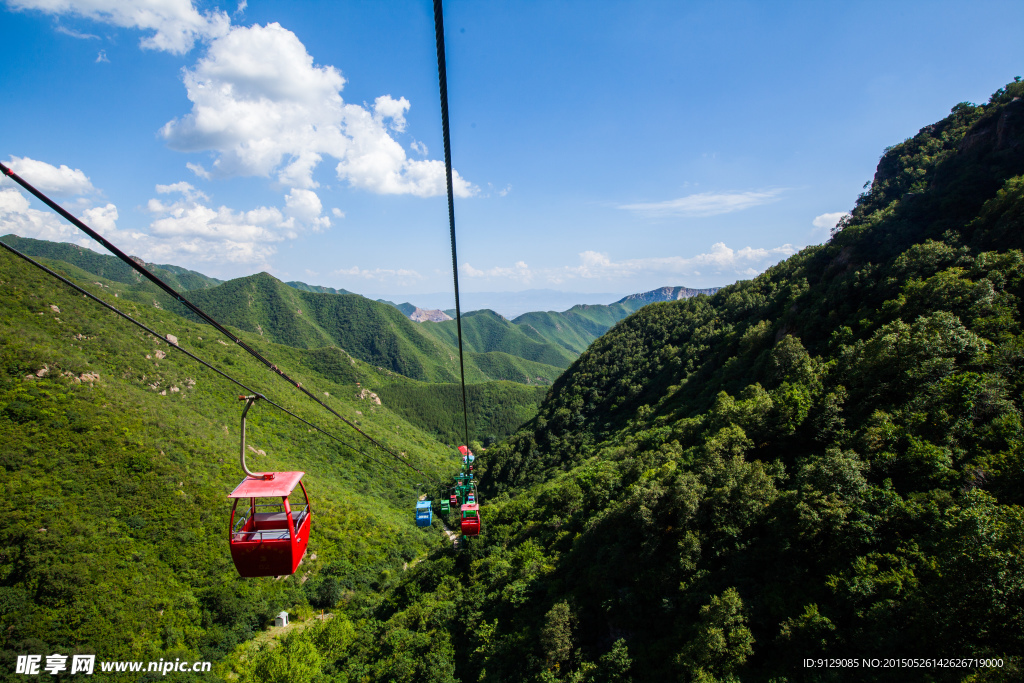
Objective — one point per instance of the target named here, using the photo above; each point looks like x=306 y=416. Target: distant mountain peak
x=316 y=289
x=420 y=315
x=667 y=294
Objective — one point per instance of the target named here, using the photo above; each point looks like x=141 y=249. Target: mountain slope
x=108 y=266
x=486 y=331
x=496 y=409
x=303 y=287
x=825 y=461
x=371 y=331
x=118 y=453
x=667 y=294
x=576 y=328
x=496 y=348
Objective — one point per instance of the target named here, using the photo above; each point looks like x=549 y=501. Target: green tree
x=722 y=641
x=557 y=637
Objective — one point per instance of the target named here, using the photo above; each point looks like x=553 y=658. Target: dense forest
x=119 y=451
x=824 y=461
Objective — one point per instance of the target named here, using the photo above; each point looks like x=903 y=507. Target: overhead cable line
x=142 y=270
x=442 y=78
x=179 y=348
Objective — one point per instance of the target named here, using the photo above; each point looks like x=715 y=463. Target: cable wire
x=173 y=345
x=442 y=78
x=142 y=270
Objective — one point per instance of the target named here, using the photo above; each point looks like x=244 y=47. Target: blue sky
x=608 y=147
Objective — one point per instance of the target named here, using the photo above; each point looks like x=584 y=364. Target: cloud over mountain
x=262 y=107
x=175 y=25
x=705 y=204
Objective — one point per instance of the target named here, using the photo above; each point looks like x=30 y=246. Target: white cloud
x=387 y=107
x=102 y=219
x=189 y=227
x=75 y=34
x=183 y=188
x=17 y=216
x=400 y=276
x=827 y=221
x=175 y=24
x=720 y=261
x=101 y=57
x=520 y=272
x=241 y=7
x=305 y=207
x=48 y=178
x=705 y=203
x=182 y=225
x=419 y=148
x=501 y=192
x=206 y=234
x=198 y=170
x=338 y=213
x=263 y=107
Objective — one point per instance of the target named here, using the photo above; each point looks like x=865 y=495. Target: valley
x=826 y=458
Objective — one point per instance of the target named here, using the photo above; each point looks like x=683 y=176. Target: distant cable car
x=470 y=519
x=268 y=538
x=424 y=515
x=445 y=506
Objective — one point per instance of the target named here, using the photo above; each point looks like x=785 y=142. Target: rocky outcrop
x=667 y=294
x=420 y=315
x=367 y=394
x=1005 y=130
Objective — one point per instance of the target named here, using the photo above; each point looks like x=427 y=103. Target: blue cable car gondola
x=424 y=513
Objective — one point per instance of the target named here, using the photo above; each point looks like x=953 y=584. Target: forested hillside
x=532 y=349
x=496 y=409
x=485 y=331
x=576 y=328
x=107 y=266
x=369 y=330
x=824 y=461
x=118 y=453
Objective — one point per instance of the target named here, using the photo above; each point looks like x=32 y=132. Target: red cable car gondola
x=470 y=519
x=270 y=538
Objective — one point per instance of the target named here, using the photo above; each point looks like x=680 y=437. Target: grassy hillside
x=823 y=462
x=376 y=333
x=264 y=305
x=486 y=331
x=533 y=349
x=118 y=455
x=496 y=409
x=575 y=329
x=303 y=287
x=108 y=266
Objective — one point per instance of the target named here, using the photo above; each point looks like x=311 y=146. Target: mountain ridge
x=668 y=294
x=552 y=339
x=827 y=458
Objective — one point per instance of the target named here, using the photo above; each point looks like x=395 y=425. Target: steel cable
x=188 y=353
x=142 y=270
x=442 y=78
